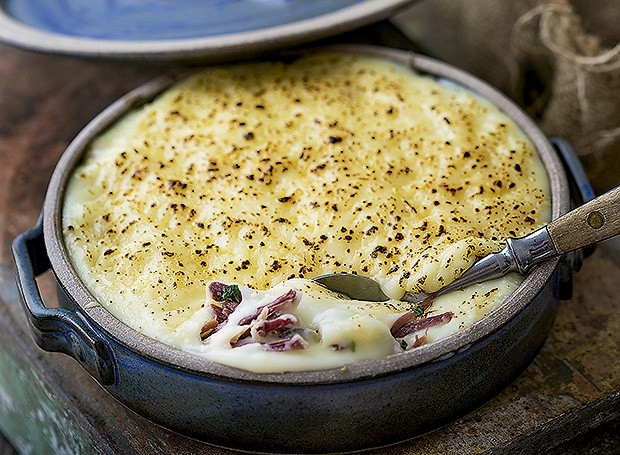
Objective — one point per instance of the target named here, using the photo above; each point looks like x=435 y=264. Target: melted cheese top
x=269 y=174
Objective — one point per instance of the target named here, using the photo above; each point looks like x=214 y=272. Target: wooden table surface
x=568 y=399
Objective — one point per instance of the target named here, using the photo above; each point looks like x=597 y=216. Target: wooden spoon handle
x=592 y=222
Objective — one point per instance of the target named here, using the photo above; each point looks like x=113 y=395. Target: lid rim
x=20 y=34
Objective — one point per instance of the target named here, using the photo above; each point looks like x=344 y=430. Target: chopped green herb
x=418 y=310
x=232 y=292
x=403 y=344
x=353 y=345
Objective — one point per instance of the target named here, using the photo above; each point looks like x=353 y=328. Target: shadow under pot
x=369 y=403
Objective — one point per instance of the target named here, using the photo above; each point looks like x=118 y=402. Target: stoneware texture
x=368 y=404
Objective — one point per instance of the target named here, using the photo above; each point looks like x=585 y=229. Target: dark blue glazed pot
x=365 y=404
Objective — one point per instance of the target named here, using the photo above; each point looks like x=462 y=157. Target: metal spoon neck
x=531 y=250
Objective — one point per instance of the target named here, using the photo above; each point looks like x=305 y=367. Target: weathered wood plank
x=49 y=404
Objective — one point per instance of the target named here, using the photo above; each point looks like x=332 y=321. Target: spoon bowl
x=355 y=287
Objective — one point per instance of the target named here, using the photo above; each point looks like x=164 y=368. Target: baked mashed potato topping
x=200 y=218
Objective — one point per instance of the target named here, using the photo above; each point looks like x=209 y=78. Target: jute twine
x=584 y=103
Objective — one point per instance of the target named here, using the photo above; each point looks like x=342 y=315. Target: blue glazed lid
x=161 y=29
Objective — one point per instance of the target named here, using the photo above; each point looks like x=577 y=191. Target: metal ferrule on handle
x=531 y=250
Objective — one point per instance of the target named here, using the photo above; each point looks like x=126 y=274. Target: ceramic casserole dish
x=367 y=404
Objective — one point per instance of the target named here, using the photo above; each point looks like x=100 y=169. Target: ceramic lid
x=155 y=29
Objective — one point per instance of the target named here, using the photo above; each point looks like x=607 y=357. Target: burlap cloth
x=559 y=59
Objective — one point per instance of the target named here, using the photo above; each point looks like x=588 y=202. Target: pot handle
x=580 y=192
x=580 y=188
x=58 y=329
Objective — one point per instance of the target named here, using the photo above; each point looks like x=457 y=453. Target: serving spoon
x=592 y=222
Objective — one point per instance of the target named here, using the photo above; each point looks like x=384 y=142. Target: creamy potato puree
x=268 y=174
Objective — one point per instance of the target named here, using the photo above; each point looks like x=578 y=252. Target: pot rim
x=179 y=359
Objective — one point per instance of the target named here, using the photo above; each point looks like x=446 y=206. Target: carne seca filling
x=200 y=218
